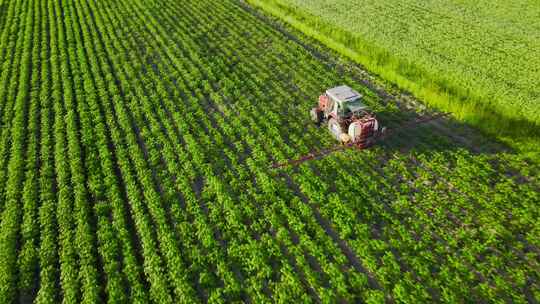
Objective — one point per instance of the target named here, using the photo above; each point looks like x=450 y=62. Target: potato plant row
x=137 y=139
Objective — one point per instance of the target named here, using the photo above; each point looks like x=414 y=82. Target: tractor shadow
x=443 y=134
x=447 y=134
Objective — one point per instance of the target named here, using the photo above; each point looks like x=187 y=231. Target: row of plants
x=15 y=169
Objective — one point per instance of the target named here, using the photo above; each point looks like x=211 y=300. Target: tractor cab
x=342 y=102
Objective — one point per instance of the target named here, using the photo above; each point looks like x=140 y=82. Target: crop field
x=136 y=145
x=478 y=59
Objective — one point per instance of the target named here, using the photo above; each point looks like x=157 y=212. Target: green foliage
x=134 y=168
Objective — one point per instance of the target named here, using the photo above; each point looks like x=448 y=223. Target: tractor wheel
x=335 y=128
x=316 y=115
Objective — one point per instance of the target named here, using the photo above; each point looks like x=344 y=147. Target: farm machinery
x=350 y=122
x=348 y=119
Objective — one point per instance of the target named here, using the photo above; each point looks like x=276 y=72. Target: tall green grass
x=466 y=105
